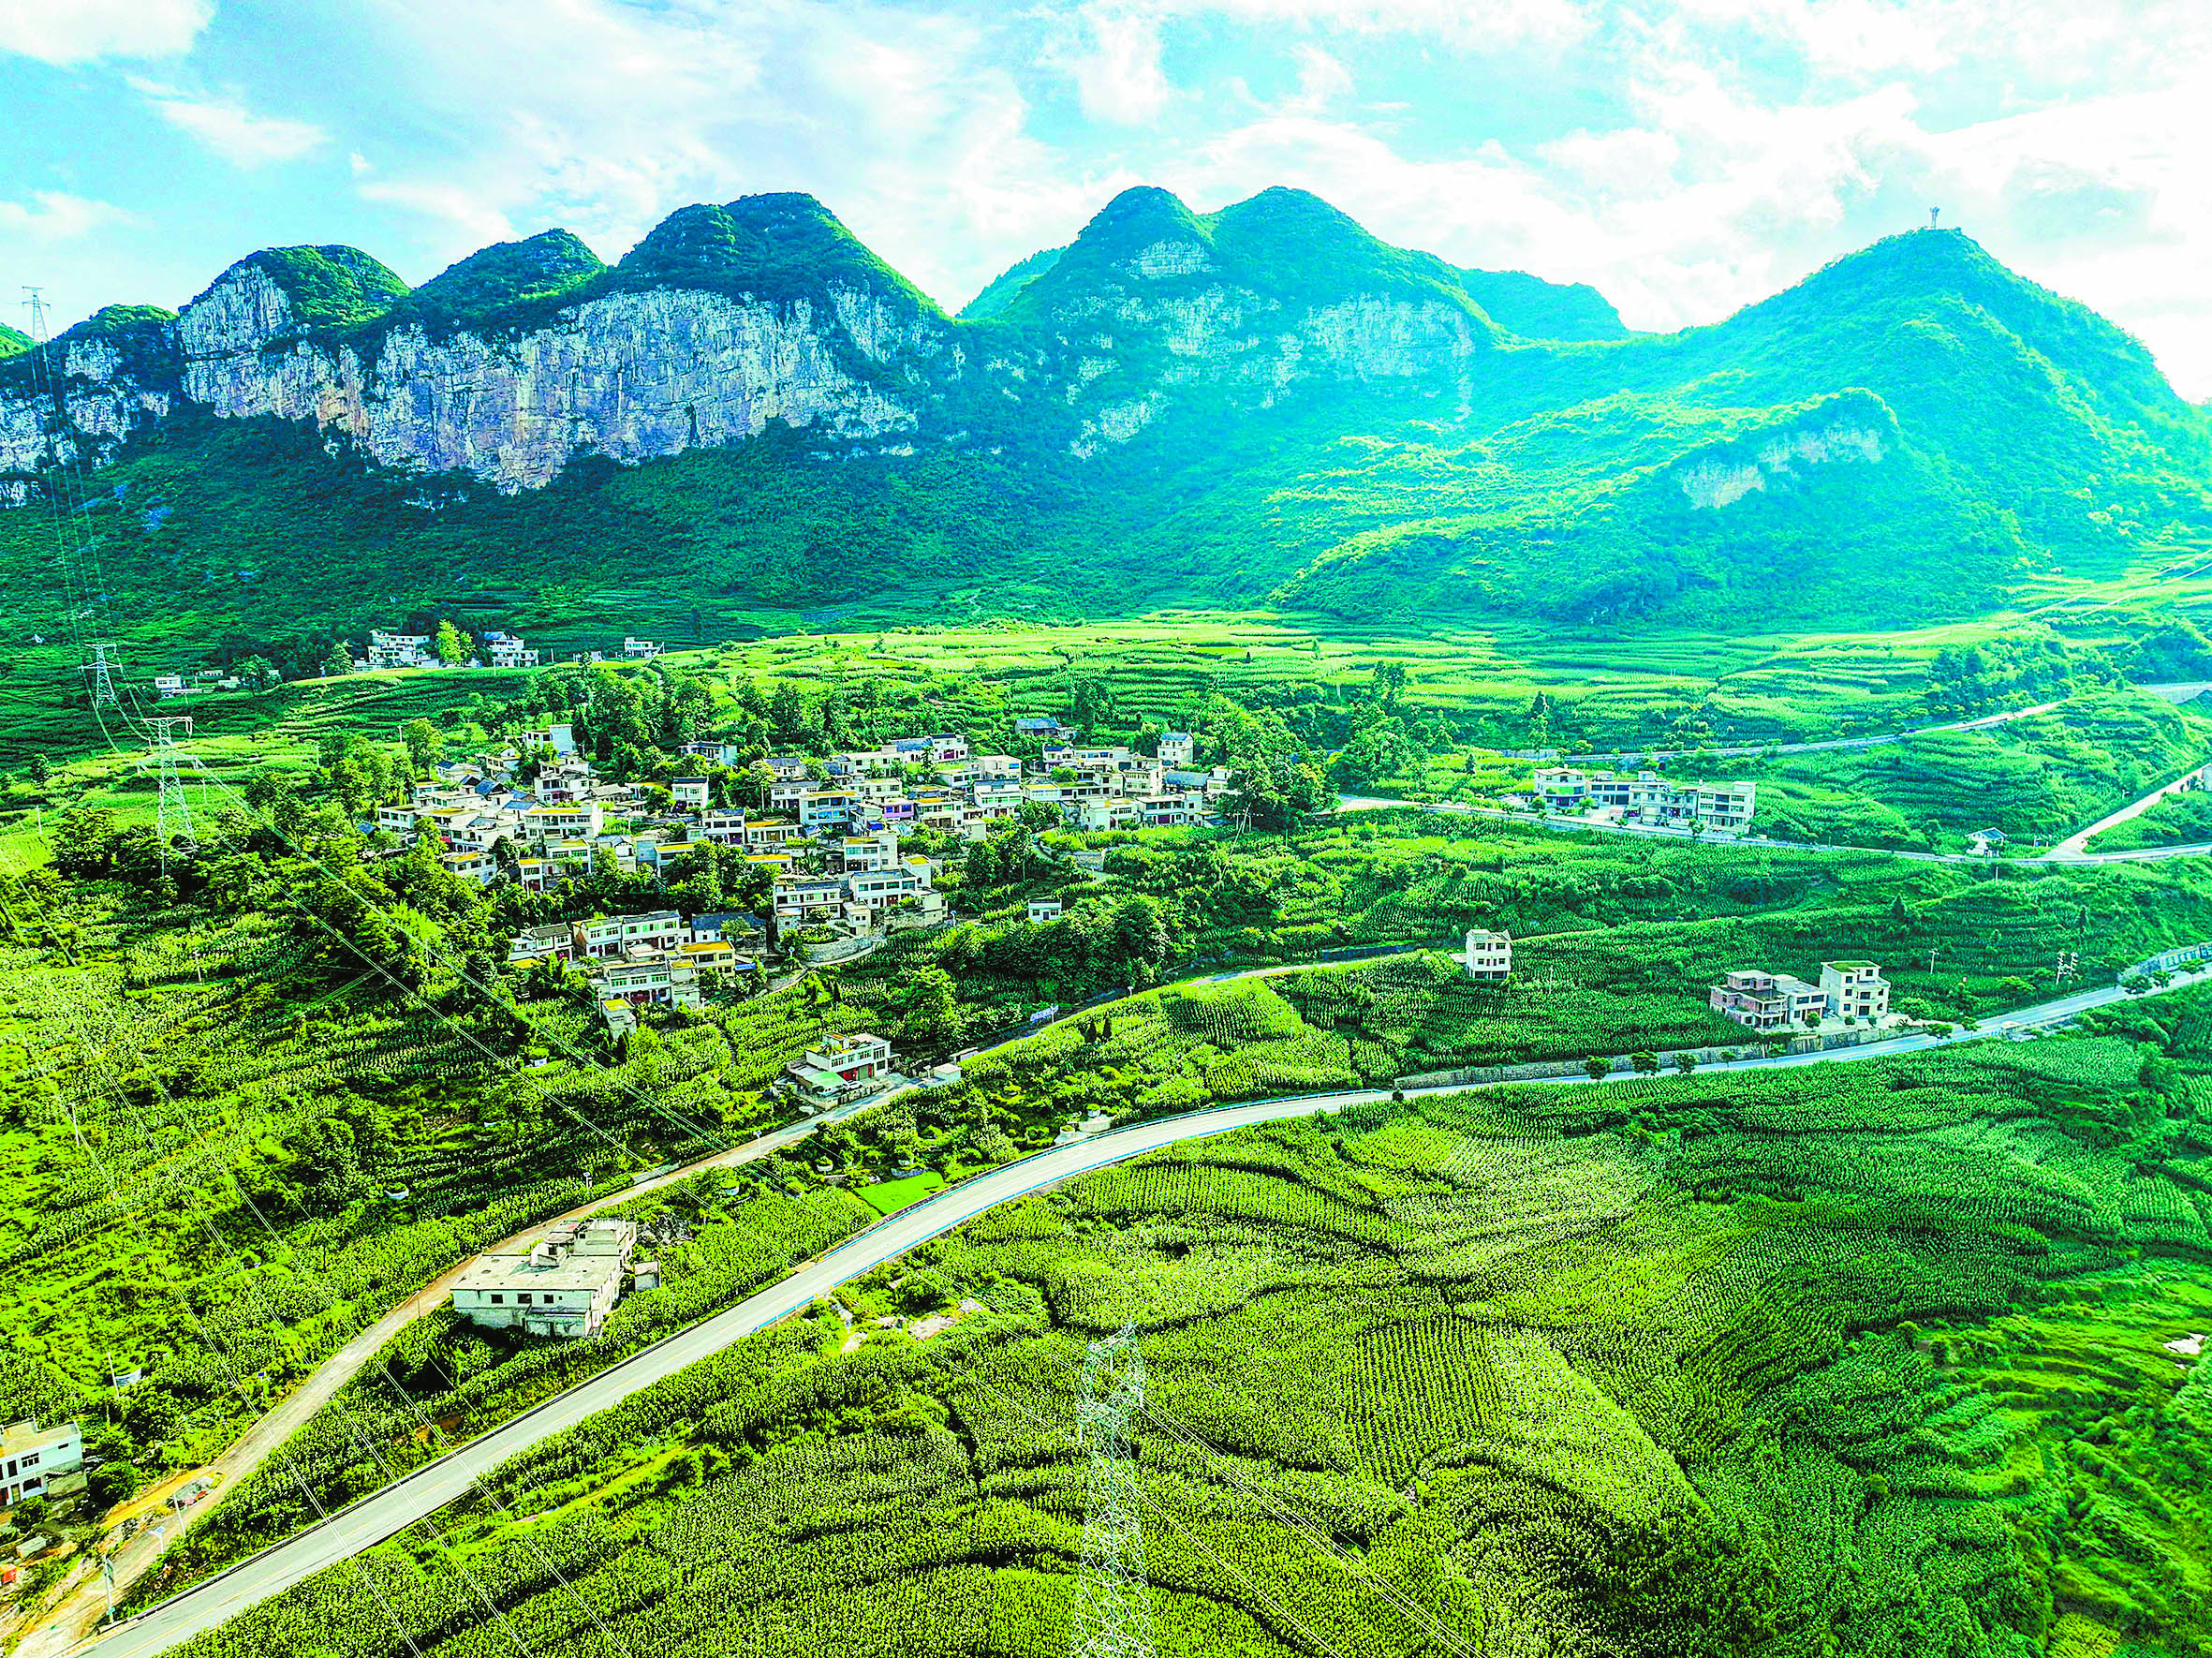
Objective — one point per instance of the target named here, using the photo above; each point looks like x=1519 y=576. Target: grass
x=887 y=1197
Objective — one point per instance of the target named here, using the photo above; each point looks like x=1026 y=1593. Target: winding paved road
x=398 y=1505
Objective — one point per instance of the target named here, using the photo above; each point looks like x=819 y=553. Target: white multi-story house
x=690 y=791
x=564 y=1285
x=1045 y=909
x=560 y=736
x=1177 y=748
x=396 y=820
x=508 y=651
x=878 y=850
x=606 y=936
x=1116 y=812
x=1854 y=988
x=554 y=941
x=795 y=897
x=879 y=889
x=650 y=981
x=400 y=650
x=168 y=685
x=642 y=650
x=840 y=1068
x=31 y=1456
x=1489 y=955
x=580 y=819
x=477 y=865
x=1647 y=797
x=1767 y=1001
x=723 y=825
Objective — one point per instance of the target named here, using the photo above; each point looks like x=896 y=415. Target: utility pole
x=107 y=1577
x=172 y=819
x=1113 y=1609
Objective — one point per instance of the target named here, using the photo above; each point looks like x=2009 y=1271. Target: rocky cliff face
x=671 y=356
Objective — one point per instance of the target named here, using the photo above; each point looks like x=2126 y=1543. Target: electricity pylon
x=103 y=679
x=173 y=813
x=1112 y=1610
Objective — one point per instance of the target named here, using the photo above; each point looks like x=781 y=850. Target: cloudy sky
x=1685 y=157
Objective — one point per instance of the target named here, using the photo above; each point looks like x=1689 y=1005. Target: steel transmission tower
x=172 y=819
x=1113 y=1611
x=100 y=671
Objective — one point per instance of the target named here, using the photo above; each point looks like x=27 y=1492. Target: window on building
x=497 y=1299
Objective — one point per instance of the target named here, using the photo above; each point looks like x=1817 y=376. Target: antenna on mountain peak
x=1932 y=213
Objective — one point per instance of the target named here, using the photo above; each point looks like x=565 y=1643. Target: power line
x=331 y=1298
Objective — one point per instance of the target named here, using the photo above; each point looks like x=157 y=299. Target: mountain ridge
x=1264 y=402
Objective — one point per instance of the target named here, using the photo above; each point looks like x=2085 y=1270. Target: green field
x=1838 y=1361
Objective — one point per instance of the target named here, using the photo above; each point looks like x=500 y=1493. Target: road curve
x=398 y=1505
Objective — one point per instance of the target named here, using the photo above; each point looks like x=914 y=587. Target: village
x=830 y=835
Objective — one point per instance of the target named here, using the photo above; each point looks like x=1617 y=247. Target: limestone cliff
x=729 y=319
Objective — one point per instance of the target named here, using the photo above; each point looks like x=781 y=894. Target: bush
x=117 y=1482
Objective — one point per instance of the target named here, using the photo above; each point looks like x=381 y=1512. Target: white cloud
x=479 y=223
x=1115 y=66
x=231 y=129
x=81 y=31
x=52 y=216
x=1472 y=23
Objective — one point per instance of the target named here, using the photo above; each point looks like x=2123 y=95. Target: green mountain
x=999 y=293
x=750 y=415
x=13 y=340
x=1538 y=310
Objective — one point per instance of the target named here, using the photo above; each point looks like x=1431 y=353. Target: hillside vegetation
x=1914 y=407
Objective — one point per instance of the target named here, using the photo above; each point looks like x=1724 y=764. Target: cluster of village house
x=500 y=650
x=852 y=807
x=1645 y=798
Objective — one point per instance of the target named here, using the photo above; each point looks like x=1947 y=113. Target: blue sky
x=1684 y=157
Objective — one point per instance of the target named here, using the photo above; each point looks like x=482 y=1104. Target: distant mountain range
x=751 y=414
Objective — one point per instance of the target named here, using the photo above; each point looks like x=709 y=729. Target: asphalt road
x=398 y=1505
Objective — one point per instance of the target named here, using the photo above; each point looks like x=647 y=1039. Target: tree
x=933 y=1011
x=451 y=644
x=425 y=743
x=1599 y=1069
x=1646 y=1064
x=41 y=770
x=1685 y=1062
x=338 y=660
